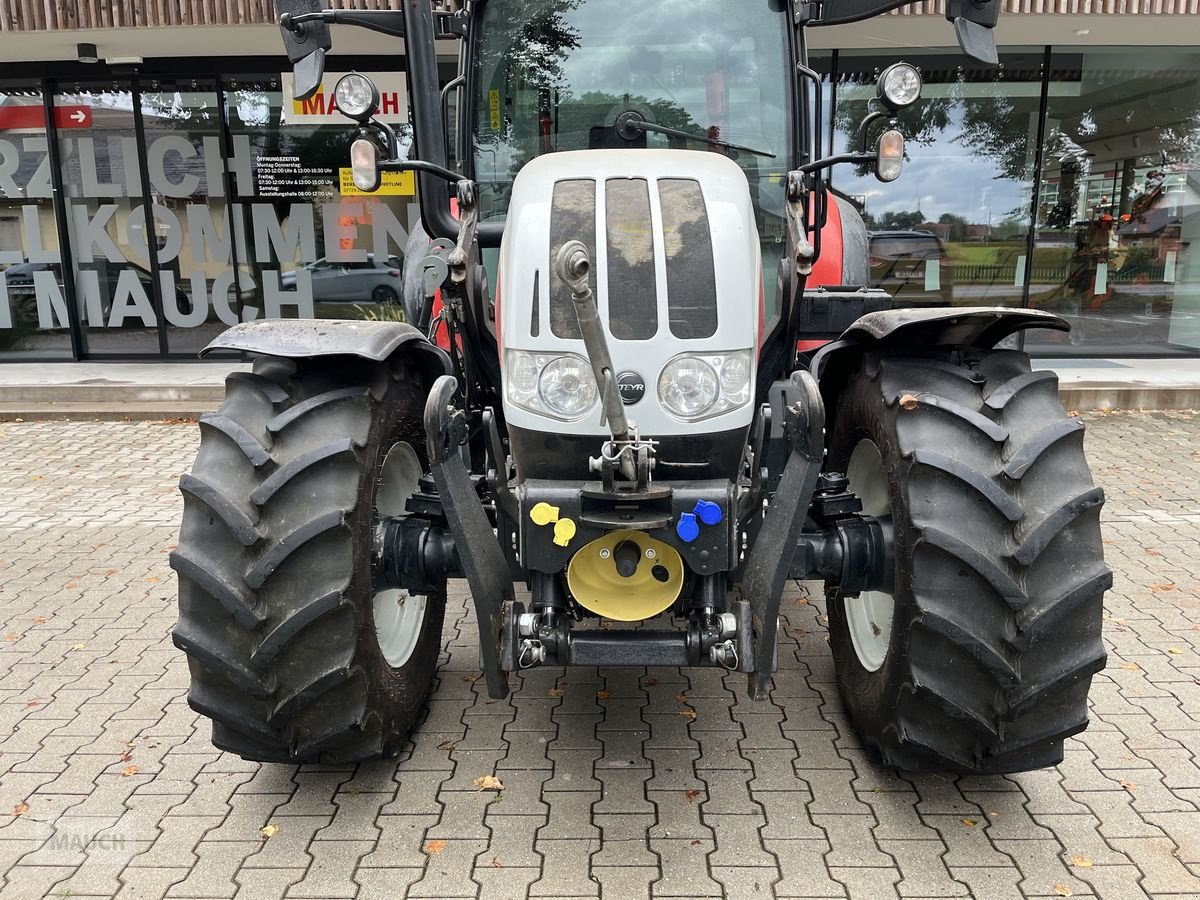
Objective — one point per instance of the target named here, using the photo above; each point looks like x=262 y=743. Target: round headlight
x=688 y=387
x=356 y=96
x=735 y=377
x=568 y=387
x=522 y=374
x=900 y=85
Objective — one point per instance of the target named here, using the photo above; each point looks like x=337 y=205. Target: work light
x=899 y=86
x=356 y=96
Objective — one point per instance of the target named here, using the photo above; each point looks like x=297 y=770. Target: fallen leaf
x=1073 y=413
x=110 y=573
x=554 y=692
x=1081 y=862
x=470 y=679
x=40 y=620
x=489 y=783
x=78 y=646
x=1128 y=785
x=1063 y=891
x=269 y=831
x=602 y=695
x=697 y=843
x=1174 y=650
x=909 y=401
x=129 y=770
x=1132 y=667
x=10 y=637
x=34 y=703
x=496 y=863
x=651 y=682
x=127 y=756
x=1150 y=552
x=802 y=601
x=447 y=745
x=436 y=846
x=1161 y=586
x=691 y=795
x=688 y=713
x=70 y=585
x=153 y=579
x=970 y=823
x=681 y=698
x=35 y=478
x=20 y=809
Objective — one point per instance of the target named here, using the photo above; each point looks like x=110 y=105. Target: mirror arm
x=870 y=119
x=383 y=21
x=852 y=157
x=420 y=165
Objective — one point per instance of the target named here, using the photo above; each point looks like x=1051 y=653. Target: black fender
x=305 y=338
x=912 y=330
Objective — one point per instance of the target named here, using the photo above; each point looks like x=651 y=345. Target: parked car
x=354 y=282
x=900 y=264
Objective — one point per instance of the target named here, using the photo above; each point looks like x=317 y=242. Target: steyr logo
x=632 y=387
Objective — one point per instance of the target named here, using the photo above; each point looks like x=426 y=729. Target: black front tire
x=1000 y=574
x=274 y=562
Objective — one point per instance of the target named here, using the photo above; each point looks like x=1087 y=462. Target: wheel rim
x=384 y=295
x=398 y=614
x=869 y=615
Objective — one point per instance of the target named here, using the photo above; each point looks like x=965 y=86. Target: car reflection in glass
x=353 y=282
x=913 y=266
x=19 y=279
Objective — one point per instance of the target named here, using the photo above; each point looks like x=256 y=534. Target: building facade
x=172 y=188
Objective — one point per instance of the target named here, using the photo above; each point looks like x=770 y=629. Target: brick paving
x=109 y=786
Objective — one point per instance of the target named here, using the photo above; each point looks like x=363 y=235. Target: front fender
x=915 y=329
x=303 y=338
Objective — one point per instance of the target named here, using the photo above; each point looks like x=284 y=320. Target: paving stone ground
x=109 y=786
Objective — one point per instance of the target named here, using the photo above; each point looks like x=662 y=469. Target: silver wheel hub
x=869 y=615
x=398 y=614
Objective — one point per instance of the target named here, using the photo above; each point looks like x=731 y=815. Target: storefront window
x=111 y=246
x=196 y=253
x=315 y=245
x=1119 y=211
x=954 y=228
x=33 y=309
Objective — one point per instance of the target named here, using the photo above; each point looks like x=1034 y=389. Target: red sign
x=34 y=117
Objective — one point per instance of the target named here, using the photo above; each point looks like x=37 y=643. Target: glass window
x=311 y=237
x=953 y=229
x=33 y=307
x=1118 y=228
x=556 y=75
x=115 y=292
x=196 y=256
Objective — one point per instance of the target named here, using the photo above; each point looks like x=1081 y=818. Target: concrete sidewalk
x=165 y=390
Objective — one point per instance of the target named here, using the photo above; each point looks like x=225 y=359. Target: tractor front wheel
x=980 y=657
x=295 y=655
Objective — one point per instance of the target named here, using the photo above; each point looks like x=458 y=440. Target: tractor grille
x=631 y=238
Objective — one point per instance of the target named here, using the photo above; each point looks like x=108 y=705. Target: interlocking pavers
x=609 y=791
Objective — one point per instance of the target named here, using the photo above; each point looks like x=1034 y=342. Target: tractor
x=645 y=379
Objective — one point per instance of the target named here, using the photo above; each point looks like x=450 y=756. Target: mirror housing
x=306 y=43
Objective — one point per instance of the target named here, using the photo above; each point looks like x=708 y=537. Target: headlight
x=561 y=386
x=899 y=86
x=700 y=386
x=356 y=96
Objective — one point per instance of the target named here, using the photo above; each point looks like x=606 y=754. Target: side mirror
x=973 y=23
x=306 y=43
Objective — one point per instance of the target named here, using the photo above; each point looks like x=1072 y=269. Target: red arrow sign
x=34 y=117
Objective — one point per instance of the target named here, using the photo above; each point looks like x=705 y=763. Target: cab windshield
x=556 y=75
